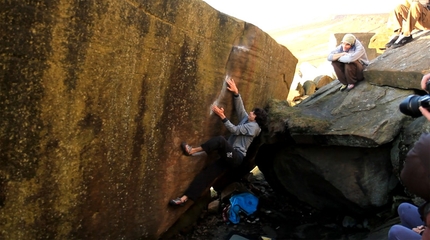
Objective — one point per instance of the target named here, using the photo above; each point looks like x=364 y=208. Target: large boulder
x=344 y=151
x=96 y=97
x=331 y=117
x=336 y=158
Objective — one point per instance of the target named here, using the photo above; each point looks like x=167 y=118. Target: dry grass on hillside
x=310 y=42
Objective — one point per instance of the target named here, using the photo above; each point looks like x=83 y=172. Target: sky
x=274 y=14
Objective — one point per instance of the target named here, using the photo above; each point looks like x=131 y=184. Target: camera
x=410 y=105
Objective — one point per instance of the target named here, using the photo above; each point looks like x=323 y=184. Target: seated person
x=349 y=60
x=413 y=14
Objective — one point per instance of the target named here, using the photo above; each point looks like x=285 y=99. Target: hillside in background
x=312 y=42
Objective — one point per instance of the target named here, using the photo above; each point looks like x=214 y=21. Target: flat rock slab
x=402 y=67
x=367 y=116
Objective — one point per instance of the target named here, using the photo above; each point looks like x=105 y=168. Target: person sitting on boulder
x=349 y=60
x=231 y=152
x=413 y=14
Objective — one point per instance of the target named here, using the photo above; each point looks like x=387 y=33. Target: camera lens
x=410 y=106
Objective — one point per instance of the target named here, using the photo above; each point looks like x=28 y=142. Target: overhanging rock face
x=96 y=98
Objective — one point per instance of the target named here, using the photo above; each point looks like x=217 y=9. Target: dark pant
x=348 y=73
x=228 y=159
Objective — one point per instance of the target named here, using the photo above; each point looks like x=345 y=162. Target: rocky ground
x=283 y=217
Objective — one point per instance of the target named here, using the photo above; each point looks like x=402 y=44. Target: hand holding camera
x=416 y=106
x=425 y=84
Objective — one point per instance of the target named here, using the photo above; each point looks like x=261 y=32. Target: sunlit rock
x=401 y=67
x=96 y=98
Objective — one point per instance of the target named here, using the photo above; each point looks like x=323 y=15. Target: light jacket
x=243 y=133
x=356 y=52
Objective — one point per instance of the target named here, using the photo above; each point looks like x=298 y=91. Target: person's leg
x=399 y=232
x=415 y=19
x=226 y=152
x=395 y=22
x=392 y=39
x=229 y=158
x=409 y=215
x=203 y=180
x=424 y=24
x=218 y=143
x=188 y=150
x=397 y=16
x=415 y=15
x=354 y=72
x=193 y=150
x=339 y=68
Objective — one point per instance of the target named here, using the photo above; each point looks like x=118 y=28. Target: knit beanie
x=349 y=38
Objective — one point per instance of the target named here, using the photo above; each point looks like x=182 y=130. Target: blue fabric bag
x=243 y=202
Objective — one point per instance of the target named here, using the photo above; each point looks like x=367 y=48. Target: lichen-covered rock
x=96 y=97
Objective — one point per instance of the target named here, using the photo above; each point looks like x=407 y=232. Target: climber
x=231 y=152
